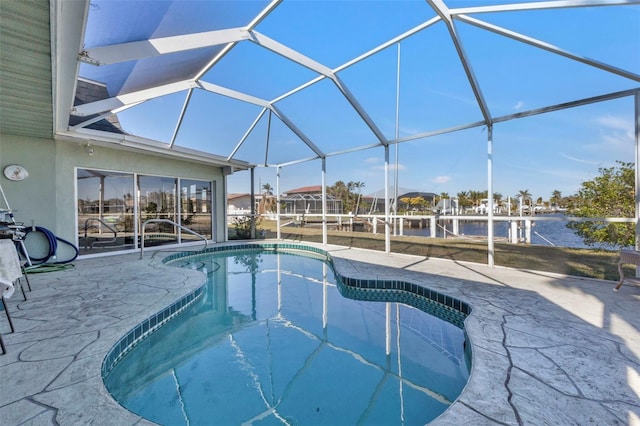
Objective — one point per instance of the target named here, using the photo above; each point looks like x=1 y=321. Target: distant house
x=308 y=200
x=375 y=201
x=428 y=197
x=311 y=190
x=305 y=200
x=239 y=203
x=445 y=206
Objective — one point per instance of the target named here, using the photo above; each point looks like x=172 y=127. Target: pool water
x=272 y=341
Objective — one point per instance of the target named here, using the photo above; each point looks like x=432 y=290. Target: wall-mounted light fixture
x=89 y=149
x=15 y=172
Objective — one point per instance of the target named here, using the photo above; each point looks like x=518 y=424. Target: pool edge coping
x=144 y=328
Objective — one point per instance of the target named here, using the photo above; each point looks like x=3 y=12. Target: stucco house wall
x=47 y=197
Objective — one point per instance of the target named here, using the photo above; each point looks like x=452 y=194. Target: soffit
x=25 y=69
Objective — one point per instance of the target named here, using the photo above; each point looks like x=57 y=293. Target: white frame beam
x=102 y=116
x=291 y=125
x=427 y=135
x=490 y=242
x=133 y=51
x=360 y=110
x=278 y=232
x=324 y=201
x=127 y=99
x=68 y=20
x=247 y=133
x=443 y=11
x=387 y=227
x=293 y=55
x=547 y=46
x=185 y=105
x=637 y=161
x=300 y=59
x=233 y=94
x=541 y=5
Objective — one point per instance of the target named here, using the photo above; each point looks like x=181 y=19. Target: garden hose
x=47 y=267
x=52 y=241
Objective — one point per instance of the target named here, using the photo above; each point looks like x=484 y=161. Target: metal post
x=225 y=205
x=101 y=204
x=490 y=245
x=387 y=233
x=637 y=188
x=253 y=205
x=395 y=171
x=278 y=236
x=324 y=202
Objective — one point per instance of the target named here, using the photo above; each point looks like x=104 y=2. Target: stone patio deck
x=547 y=349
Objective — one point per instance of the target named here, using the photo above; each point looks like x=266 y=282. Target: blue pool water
x=272 y=341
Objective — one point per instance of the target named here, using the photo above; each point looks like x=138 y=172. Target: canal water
x=543 y=232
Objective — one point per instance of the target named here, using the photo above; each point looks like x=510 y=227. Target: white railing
x=184 y=228
x=431 y=221
x=87 y=226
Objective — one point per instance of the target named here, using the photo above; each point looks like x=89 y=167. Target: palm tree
x=556 y=196
x=342 y=191
x=266 y=202
x=463 y=199
x=442 y=196
x=358 y=185
x=475 y=197
x=525 y=195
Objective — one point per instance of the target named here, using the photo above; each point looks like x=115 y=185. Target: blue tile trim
x=446 y=307
x=146 y=328
x=440 y=305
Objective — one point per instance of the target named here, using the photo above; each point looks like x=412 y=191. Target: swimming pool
x=272 y=340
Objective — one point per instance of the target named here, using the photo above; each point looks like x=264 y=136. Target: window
x=105 y=211
x=196 y=208
x=113 y=206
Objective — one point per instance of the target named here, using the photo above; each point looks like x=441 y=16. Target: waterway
x=543 y=232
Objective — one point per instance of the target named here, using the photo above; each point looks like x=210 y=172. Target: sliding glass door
x=105 y=211
x=196 y=208
x=157 y=206
x=113 y=207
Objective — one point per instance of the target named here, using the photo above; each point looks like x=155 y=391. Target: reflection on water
x=274 y=342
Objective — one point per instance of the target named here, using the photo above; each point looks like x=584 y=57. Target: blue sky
x=542 y=153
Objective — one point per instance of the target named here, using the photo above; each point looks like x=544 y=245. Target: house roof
x=313 y=189
x=234 y=196
x=425 y=195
